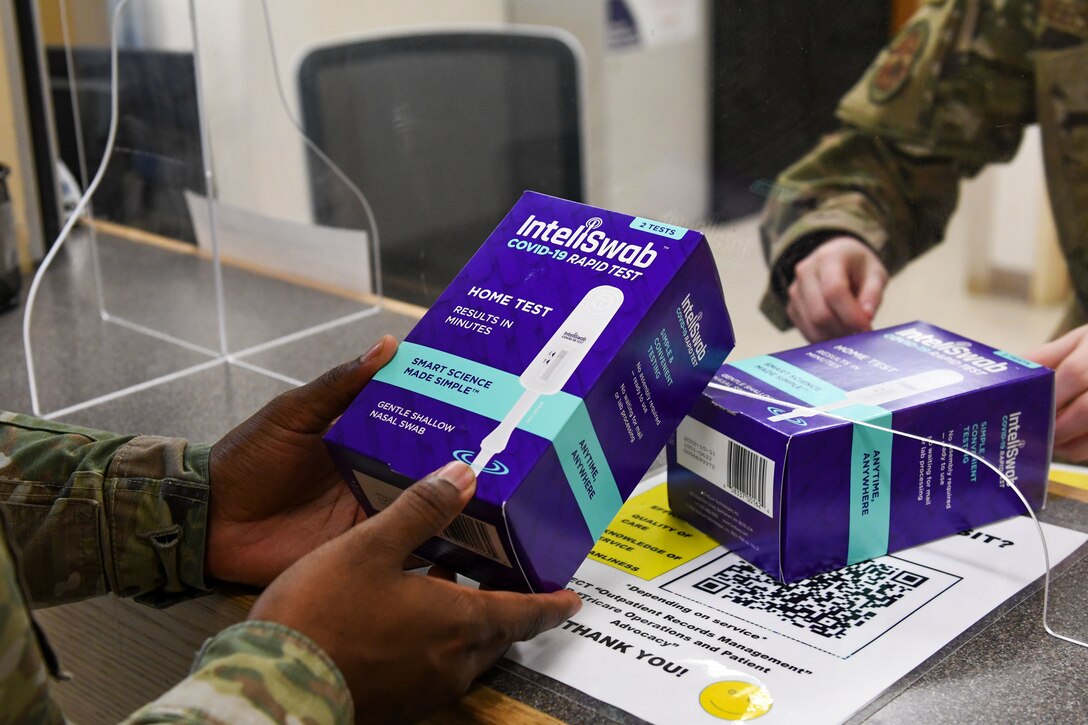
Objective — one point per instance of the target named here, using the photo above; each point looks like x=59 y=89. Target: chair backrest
x=444 y=132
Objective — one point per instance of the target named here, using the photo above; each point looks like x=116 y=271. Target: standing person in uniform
x=951 y=93
x=341 y=630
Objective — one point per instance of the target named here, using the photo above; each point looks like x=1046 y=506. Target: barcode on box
x=749 y=475
x=464 y=531
x=732 y=467
x=476 y=536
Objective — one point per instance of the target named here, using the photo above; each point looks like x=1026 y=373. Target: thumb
x=328 y=395
x=424 y=509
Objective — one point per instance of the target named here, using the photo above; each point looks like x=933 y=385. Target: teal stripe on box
x=1017 y=359
x=561 y=418
x=870 y=458
x=790 y=379
x=870 y=483
x=426 y=371
x=587 y=471
x=661 y=229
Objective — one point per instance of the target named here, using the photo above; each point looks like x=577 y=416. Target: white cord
x=74 y=218
x=992 y=467
x=107 y=155
x=336 y=170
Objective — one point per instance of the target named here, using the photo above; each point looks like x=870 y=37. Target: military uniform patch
x=1066 y=16
x=894 y=71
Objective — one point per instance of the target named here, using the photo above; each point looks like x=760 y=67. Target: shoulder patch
x=1066 y=16
x=895 y=69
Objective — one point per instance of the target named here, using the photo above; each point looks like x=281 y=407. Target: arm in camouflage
x=24 y=682
x=88 y=512
x=255 y=669
x=950 y=94
x=244 y=672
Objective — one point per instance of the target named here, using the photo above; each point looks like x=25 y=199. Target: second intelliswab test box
x=798 y=493
x=557 y=364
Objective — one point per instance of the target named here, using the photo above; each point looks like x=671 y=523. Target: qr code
x=838 y=612
x=827 y=604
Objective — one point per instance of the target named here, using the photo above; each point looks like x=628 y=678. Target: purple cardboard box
x=557 y=363
x=797 y=494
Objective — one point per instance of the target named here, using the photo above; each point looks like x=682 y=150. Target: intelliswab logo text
x=588 y=239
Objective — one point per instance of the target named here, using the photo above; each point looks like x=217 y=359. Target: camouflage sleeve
x=88 y=512
x=255 y=672
x=950 y=94
x=24 y=679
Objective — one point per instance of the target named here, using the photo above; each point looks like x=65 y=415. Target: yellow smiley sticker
x=735 y=700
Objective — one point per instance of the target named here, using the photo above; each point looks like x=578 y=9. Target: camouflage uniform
x=950 y=94
x=83 y=513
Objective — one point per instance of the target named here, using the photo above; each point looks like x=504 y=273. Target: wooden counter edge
x=484 y=705
x=1067 y=491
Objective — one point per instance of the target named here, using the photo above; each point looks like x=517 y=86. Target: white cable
x=992 y=467
x=107 y=154
x=81 y=152
x=336 y=170
x=74 y=218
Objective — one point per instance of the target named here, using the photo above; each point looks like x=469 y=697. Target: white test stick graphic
x=552 y=367
x=881 y=393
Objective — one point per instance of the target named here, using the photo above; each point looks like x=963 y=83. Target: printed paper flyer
x=677 y=629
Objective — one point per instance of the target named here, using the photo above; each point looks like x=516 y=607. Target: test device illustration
x=553 y=366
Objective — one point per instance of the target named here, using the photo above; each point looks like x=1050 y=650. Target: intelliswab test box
x=797 y=493
x=557 y=364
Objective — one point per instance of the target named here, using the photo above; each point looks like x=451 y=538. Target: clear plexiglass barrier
x=283 y=176
x=195 y=241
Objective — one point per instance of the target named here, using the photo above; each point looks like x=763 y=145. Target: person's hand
x=407 y=644
x=1068 y=357
x=836 y=289
x=275 y=495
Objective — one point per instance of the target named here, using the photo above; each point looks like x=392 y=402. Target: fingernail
x=373 y=352
x=457 y=473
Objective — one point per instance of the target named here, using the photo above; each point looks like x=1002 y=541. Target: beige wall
x=1007 y=229
x=259 y=160
x=13 y=152
x=88 y=26
x=645 y=156
x=647 y=135
x=650 y=157
x=88 y=23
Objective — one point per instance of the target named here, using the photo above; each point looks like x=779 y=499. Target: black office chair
x=441 y=132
